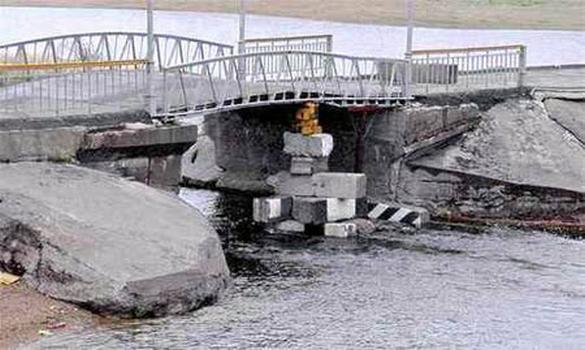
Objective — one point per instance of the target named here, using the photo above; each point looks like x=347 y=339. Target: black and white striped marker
x=416 y=218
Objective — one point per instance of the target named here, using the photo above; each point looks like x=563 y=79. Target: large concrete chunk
x=340 y=185
x=298 y=145
x=198 y=165
x=274 y=209
x=516 y=143
x=141 y=135
x=310 y=211
x=113 y=246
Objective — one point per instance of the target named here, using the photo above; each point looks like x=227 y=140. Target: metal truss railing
x=251 y=79
x=314 y=43
x=170 y=50
x=468 y=69
x=82 y=88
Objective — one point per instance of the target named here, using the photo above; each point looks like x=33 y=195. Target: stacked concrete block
x=309 y=166
x=310 y=211
x=340 y=185
x=340 y=230
x=319 y=198
x=315 y=146
x=270 y=210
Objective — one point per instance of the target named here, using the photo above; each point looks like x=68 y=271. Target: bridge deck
x=126 y=91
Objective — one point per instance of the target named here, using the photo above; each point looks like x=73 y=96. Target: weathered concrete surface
x=48 y=144
x=340 y=185
x=517 y=143
x=445 y=192
x=199 y=167
x=569 y=114
x=112 y=246
x=315 y=146
x=102 y=120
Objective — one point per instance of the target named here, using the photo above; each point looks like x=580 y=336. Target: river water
x=544 y=47
x=502 y=289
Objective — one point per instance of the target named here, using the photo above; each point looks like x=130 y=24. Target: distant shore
x=484 y=14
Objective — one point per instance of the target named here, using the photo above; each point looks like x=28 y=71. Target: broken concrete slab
x=106 y=244
x=340 y=185
x=310 y=211
x=141 y=135
x=298 y=145
x=272 y=209
x=569 y=114
x=516 y=143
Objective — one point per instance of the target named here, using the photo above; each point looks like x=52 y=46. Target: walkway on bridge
x=85 y=74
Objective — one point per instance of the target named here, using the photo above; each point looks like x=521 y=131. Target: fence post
x=164 y=102
x=522 y=66
x=89 y=95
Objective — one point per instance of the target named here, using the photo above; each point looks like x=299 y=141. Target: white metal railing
x=315 y=43
x=170 y=50
x=273 y=77
x=466 y=69
x=312 y=43
x=92 y=89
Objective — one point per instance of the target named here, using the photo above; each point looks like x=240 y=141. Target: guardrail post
x=329 y=43
x=164 y=102
x=407 y=88
x=522 y=66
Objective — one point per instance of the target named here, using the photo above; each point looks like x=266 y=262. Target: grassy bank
x=525 y=14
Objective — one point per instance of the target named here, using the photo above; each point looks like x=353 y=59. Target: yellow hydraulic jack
x=307 y=119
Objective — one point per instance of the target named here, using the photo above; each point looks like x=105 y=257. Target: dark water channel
x=503 y=289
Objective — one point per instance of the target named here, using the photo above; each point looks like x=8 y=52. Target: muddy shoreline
x=26 y=315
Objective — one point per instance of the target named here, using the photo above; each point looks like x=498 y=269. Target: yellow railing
x=70 y=65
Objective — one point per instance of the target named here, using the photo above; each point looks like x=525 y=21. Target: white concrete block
x=340 y=185
x=286 y=184
x=340 y=230
x=341 y=209
x=298 y=145
x=273 y=209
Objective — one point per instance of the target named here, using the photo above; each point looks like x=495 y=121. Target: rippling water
x=545 y=47
x=503 y=289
